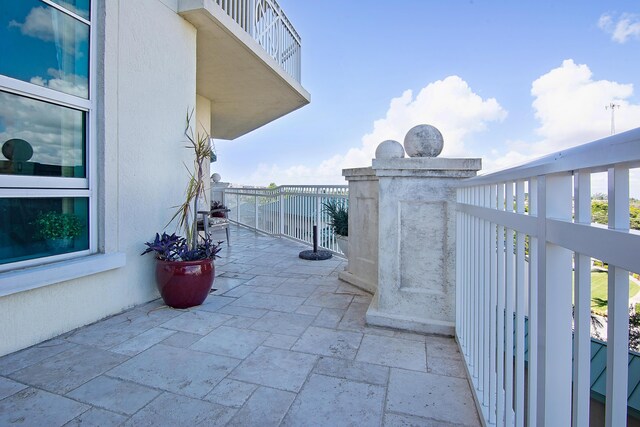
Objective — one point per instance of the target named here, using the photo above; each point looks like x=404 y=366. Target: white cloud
x=570 y=107
x=626 y=27
x=448 y=104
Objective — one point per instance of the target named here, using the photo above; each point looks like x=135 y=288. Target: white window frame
x=36 y=186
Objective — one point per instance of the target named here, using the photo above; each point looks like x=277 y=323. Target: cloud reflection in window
x=44 y=46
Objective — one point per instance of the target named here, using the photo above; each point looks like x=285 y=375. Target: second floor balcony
x=248 y=62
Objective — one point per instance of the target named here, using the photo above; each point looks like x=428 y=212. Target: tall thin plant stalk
x=187 y=212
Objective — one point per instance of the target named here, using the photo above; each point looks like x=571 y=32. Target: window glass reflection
x=35 y=228
x=41 y=139
x=44 y=46
x=79 y=7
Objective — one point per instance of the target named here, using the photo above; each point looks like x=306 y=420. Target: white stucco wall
x=147 y=87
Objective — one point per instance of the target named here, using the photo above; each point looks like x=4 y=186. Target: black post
x=315 y=254
x=315 y=239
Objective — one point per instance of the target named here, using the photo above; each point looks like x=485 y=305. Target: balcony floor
x=281 y=342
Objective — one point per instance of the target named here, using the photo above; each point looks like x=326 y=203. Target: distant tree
x=634 y=219
x=272 y=185
x=599 y=211
x=634 y=329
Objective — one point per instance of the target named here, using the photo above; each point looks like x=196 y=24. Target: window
x=47 y=188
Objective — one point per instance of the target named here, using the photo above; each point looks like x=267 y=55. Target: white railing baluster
x=474 y=277
x=289 y=218
x=500 y=421
x=486 y=291
x=464 y=310
x=299 y=218
x=554 y=308
x=582 y=306
x=318 y=213
x=493 y=304
x=255 y=207
x=480 y=308
x=533 y=308
x=469 y=282
x=618 y=303
x=509 y=309
x=281 y=212
x=519 y=310
x=459 y=283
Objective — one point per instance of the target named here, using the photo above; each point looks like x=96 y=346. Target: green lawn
x=599 y=290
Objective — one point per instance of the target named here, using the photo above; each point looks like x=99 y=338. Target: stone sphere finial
x=423 y=141
x=389 y=149
x=216 y=177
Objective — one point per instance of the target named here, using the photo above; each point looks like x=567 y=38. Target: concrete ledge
x=376 y=317
x=428 y=163
x=26 y=279
x=354 y=280
x=359 y=174
x=427 y=167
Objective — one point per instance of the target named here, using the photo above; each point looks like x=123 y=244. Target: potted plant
x=184 y=264
x=218 y=209
x=58 y=229
x=339 y=221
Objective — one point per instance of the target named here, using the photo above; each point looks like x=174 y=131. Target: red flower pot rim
x=194 y=262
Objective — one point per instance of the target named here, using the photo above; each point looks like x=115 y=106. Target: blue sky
x=505 y=81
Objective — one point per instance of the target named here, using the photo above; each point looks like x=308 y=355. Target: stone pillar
x=416 y=240
x=362 y=261
x=217 y=188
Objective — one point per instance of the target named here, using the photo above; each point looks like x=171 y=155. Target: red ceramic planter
x=184 y=284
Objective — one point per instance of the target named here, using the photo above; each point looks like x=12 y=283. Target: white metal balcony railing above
x=288 y=211
x=501 y=290
x=267 y=23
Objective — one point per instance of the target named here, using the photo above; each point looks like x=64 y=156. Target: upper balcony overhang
x=247 y=87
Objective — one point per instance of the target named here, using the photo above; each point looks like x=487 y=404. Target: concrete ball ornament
x=389 y=149
x=423 y=141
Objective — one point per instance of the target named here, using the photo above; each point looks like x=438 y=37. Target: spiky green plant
x=187 y=212
x=338 y=216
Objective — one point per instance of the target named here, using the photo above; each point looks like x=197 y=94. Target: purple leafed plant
x=175 y=248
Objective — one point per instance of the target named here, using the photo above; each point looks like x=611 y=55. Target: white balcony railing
x=532 y=225
x=267 y=23
x=288 y=211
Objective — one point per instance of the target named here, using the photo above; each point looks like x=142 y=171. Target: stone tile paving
x=281 y=341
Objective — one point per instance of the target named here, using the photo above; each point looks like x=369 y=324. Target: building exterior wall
x=146 y=82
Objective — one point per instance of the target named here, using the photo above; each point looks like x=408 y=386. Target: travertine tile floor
x=281 y=342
